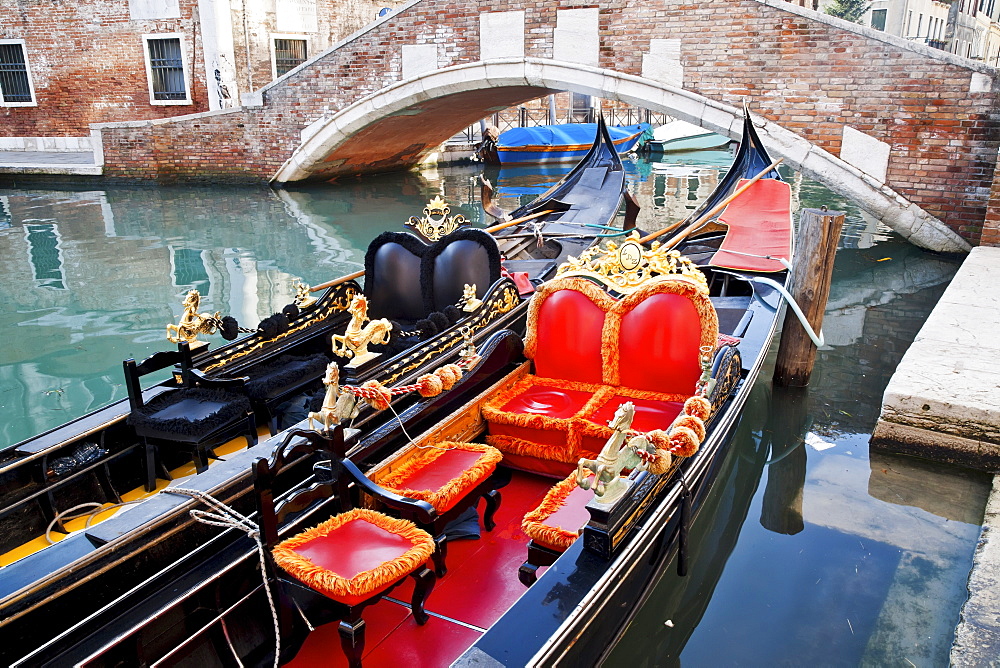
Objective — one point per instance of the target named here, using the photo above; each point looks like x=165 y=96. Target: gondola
x=552 y=143
x=637 y=350
x=421 y=282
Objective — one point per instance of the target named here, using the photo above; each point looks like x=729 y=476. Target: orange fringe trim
x=367 y=582
x=566 y=454
x=445 y=496
x=533 y=524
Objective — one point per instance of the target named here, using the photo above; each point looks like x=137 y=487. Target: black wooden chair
x=335 y=569
x=196 y=416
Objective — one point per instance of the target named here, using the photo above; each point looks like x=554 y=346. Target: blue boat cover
x=569 y=134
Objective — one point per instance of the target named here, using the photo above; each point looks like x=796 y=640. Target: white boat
x=684 y=136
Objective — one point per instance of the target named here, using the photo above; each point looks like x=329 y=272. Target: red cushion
x=760 y=228
x=450 y=465
x=548 y=400
x=568 y=344
x=655 y=357
x=353 y=548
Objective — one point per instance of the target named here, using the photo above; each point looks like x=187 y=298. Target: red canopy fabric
x=760 y=224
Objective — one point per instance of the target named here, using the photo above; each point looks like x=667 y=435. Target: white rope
x=90 y=515
x=226 y=517
x=782 y=260
x=817 y=339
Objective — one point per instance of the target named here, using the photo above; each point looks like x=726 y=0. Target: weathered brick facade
x=87 y=63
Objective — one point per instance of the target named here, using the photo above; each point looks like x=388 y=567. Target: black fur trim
x=235 y=406
x=484 y=239
x=440 y=320
x=427 y=327
x=404 y=239
x=230 y=328
x=273 y=325
x=453 y=313
x=283 y=372
x=291 y=311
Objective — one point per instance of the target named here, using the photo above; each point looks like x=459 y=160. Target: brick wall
x=87 y=64
x=810 y=74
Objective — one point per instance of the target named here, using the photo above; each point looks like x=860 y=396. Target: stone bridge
x=908 y=132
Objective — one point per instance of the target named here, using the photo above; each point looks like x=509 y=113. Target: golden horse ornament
x=604 y=473
x=337 y=405
x=356 y=338
x=193 y=323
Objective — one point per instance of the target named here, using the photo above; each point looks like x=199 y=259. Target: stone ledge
x=977 y=638
x=943 y=401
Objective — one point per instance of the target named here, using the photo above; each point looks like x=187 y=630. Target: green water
x=811 y=549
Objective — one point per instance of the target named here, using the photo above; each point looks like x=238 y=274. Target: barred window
x=167 y=69
x=15 y=82
x=288 y=54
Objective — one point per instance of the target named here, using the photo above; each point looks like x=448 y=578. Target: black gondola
x=100 y=457
x=689 y=342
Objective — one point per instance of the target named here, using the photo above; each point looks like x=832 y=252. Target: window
x=15 y=78
x=165 y=70
x=288 y=54
x=878 y=18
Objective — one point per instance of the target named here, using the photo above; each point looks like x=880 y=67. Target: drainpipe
x=246 y=46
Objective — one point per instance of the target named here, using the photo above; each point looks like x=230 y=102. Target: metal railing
x=522 y=116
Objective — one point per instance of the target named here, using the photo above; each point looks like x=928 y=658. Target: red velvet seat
x=355 y=555
x=444 y=474
x=591 y=353
x=334 y=570
x=452 y=477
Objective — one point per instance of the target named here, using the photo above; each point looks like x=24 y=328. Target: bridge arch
x=404 y=122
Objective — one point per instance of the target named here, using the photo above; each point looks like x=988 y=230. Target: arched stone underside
x=403 y=123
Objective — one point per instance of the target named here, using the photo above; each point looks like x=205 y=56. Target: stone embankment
x=943 y=403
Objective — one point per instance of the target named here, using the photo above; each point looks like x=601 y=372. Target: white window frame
x=274 y=52
x=184 y=65
x=27 y=70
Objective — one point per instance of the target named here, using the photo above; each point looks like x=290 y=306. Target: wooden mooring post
x=816 y=247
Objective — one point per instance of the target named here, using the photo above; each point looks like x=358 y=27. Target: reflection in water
x=781 y=507
x=92 y=277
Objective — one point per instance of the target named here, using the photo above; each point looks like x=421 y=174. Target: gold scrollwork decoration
x=436 y=222
x=626 y=266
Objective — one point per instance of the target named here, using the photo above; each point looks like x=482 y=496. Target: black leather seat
x=407 y=279
x=197 y=416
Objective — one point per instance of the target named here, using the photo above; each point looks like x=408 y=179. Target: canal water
x=812 y=549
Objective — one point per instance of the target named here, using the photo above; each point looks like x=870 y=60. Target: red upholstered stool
x=452 y=477
x=553 y=526
x=355 y=555
x=334 y=570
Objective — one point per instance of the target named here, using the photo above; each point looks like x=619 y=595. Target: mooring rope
x=227 y=518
